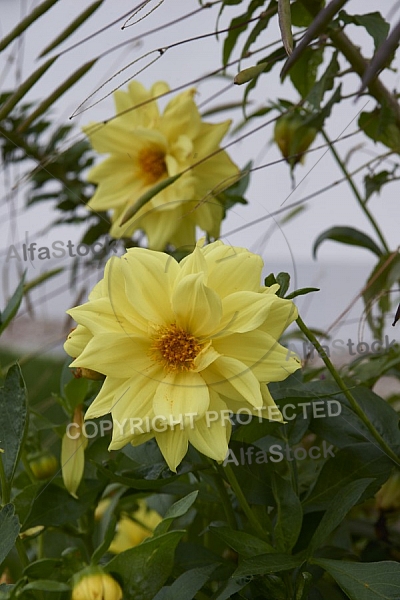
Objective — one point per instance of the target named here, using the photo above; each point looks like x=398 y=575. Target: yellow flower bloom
x=96 y=586
x=131 y=532
x=146 y=147
x=183 y=345
x=133 y=528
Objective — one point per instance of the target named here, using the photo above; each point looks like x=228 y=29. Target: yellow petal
x=197 y=307
x=180 y=397
x=210 y=435
x=240 y=377
x=173 y=444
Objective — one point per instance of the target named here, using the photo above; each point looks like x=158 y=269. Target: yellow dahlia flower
x=146 y=147
x=183 y=346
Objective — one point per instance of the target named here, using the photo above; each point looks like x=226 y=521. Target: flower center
x=175 y=348
x=152 y=164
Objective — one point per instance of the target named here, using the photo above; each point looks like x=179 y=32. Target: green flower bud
x=43 y=465
x=293 y=137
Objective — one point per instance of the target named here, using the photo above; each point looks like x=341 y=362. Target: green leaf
x=301 y=16
x=108 y=538
x=147 y=196
x=380 y=125
x=374 y=183
x=289 y=514
x=23 y=88
x=26 y=22
x=178 y=509
x=73 y=26
x=267 y=563
x=75 y=392
x=365 y=581
x=347 y=235
x=59 y=91
x=145 y=568
x=187 y=585
x=43 y=567
x=325 y=83
x=383 y=277
x=53 y=507
x=301 y=292
x=304 y=73
x=243 y=543
x=284 y=281
x=13 y=422
x=338 y=508
x=361 y=461
x=373 y=23
x=346 y=428
x=268 y=13
x=13 y=305
x=237 y=26
x=47 y=585
x=9 y=527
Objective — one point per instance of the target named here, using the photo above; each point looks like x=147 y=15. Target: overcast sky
x=288 y=247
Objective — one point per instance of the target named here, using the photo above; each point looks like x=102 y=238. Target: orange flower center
x=152 y=164
x=175 y=348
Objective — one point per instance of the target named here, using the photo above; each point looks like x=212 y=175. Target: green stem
x=243 y=502
x=356 y=193
x=353 y=402
x=226 y=502
x=5 y=488
x=23 y=557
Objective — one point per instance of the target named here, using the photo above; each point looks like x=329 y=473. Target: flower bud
x=73 y=447
x=293 y=137
x=94 y=584
x=43 y=465
x=388 y=497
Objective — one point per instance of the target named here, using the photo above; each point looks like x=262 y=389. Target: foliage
x=301 y=510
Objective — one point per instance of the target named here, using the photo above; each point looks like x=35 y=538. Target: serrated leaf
x=303 y=74
x=347 y=235
x=145 y=568
x=338 y=508
x=13 y=422
x=361 y=461
x=365 y=581
x=289 y=514
x=380 y=125
x=325 y=83
x=374 y=183
x=9 y=527
x=53 y=507
x=373 y=23
x=235 y=29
